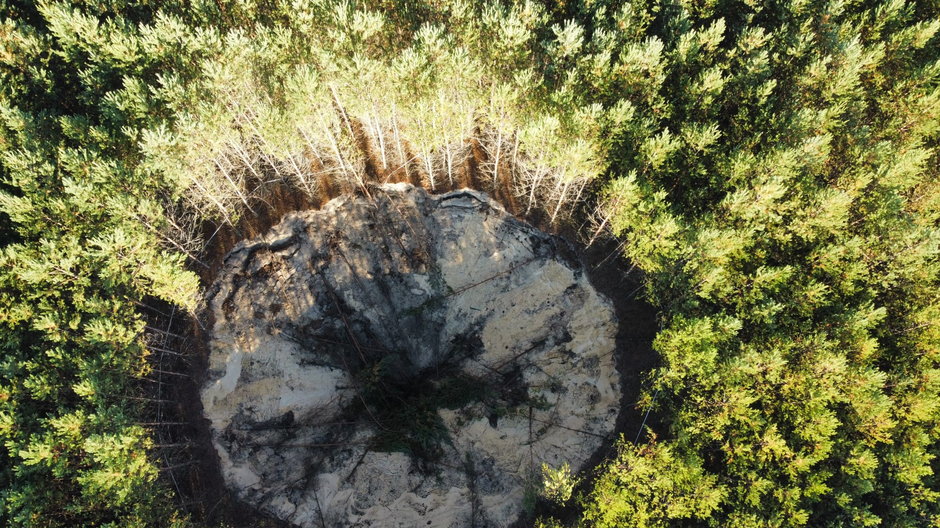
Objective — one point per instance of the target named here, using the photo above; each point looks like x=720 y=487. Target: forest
x=769 y=170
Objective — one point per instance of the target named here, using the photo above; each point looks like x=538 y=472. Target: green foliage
x=77 y=84
x=779 y=189
x=558 y=484
x=635 y=490
x=340 y=89
x=772 y=168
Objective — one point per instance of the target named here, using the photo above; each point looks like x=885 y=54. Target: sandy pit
x=405 y=359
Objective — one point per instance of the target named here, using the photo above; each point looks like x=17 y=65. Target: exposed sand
x=447 y=282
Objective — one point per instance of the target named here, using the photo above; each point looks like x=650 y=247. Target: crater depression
x=405 y=359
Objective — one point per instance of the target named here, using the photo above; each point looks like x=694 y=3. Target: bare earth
x=439 y=319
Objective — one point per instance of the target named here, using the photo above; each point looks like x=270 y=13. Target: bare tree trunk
x=301 y=176
x=205 y=192
x=533 y=186
x=499 y=144
x=335 y=145
x=401 y=150
x=561 y=200
x=448 y=158
x=174 y=242
x=232 y=183
x=381 y=137
x=430 y=166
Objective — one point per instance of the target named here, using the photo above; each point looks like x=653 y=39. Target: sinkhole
x=405 y=359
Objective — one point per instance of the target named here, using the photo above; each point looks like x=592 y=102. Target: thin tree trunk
x=228 y=219
x=381 y=136
x=401 y=150
x=561 y=200
x=232 y=183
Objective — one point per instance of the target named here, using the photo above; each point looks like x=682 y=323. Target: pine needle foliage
x=777 y=182
x=771 y=167
x=76 y=88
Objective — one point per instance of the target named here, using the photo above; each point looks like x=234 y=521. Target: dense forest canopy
x=770 y=167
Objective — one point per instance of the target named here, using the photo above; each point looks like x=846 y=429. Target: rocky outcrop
x=405 y=359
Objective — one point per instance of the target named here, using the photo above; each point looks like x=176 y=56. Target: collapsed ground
x=319 y=330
